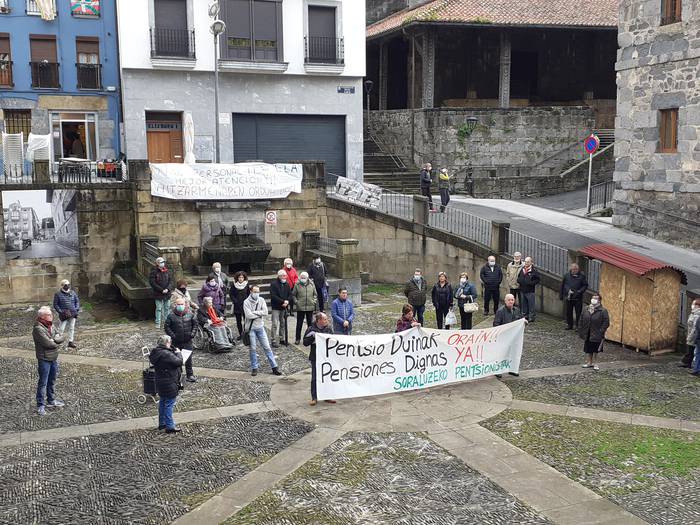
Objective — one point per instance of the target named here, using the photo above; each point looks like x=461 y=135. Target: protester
x=571 y=292
x=444 y=188
x=161 y=284
x=167 y=362
x=696 y=362
x=239 y=293
x=691 y=333
x=407 y=321
x=465 y=294
x=318 y=275
x=491 y=278
x=512 y=271
x=67 y=305
x=592 y=327
x=442 y=299
x=305 y=300
x=210 y=318
x=212 y=289
x=280 y=299
x=416 y=291
x=222 y=281
x=255 y=311
x=507 y=313
x=181 y=292
x=181 y=326
x=528 y=279
x=319 y=325
x=426 y=180
x=292 y=275
x=343 y=313
x=46 y=347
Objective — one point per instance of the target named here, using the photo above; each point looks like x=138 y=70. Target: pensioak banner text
x=367 y=365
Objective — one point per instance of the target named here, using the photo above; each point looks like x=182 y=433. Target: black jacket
x=318 y=275
x=167 y=365
x=160 y=281
x=425 y=179
x=181 y=328
x=203 y=315
x=442 y=296
x=416 y=292
x=491 y=279
x=577 y=284
x=238 y=297
x=279 y=292
x=310 y=339
x=528 y=281
x=505 y=316
x=593 y=326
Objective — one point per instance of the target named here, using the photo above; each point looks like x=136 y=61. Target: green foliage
x=86 y=306
x=384 y=289
x=648 y=452
x=481 y=20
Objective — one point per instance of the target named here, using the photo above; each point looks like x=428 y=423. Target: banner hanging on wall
x=231 y=182
x=419 y=358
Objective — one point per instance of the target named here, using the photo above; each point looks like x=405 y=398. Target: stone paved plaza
x=558 y=445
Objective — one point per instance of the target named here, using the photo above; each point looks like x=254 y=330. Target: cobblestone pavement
x=395 y=478
x=138 y=476
x=18 y=321
x=650 y=472
x=95 y=395
x=662 y=389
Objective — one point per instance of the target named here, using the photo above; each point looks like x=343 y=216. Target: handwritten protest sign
x=356 y=366
x=365 y=194
x=244 y=181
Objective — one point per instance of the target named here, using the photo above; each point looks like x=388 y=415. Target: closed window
x=18 y=121
x=87 y=52
x=668 y=130
x=670 y=11
x=253 y=30
x=44 y=64
x=5 y=61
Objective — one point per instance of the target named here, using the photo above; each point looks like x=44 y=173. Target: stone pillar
x=499 y=237
x=347 y=264
x=428 y=61
x=310 y=240
x=420 y=209
x=504 y=76
x=383 y=74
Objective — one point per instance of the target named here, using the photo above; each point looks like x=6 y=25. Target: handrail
x=575 y=166
x=382 y=147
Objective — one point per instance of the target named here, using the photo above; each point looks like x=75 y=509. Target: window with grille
x=670 y=11
x=88 y=64
x=668 y=130
x=18 y=121
x=5 y=61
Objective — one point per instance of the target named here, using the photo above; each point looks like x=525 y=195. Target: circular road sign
x=591 y=144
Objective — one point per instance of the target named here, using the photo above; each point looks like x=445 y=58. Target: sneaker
x=254 y=372
x=596 y=367
x=41 y=410
x=161 y=427
x=192 y=379
x=71 y=344
x=276 y=372
x=173 y=430
x=297 y=342
x=586 y=366
x=56 y=403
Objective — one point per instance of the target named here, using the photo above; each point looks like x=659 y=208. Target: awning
x=626 y=260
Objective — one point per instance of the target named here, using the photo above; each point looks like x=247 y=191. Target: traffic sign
x=271 y=217
x=591 y=144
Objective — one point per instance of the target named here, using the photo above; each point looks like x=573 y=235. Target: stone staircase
x=387 y=170
x=606 y=136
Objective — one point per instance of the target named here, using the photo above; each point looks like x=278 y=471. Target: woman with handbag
x=466 y=300
x=442 y=299
x=592 y=327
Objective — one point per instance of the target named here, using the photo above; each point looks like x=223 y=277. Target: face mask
x=66 y=288
x=212 y=283
x=255 y=296
x=492 y=263
x=180 y=308
x=594 y=302
x=161 y=265
x=416 y=277
x=303 y=280
x=283 y=281
x=463 y=280
x=289 y=265
x=217 y=270
x=317 y=262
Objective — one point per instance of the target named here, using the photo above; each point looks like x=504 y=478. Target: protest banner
x=244 y=181
x=368 y=365
x=359 y=192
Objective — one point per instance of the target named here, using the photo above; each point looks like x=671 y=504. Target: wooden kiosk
x=642 y=296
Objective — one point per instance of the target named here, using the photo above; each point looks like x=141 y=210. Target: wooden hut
x=642 y=296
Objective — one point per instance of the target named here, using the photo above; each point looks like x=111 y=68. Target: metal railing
x=548 y=257
x=594 y=266
x=324 y=245
x=102 y=172
x=602 y=195
x=4 y=6
x=6 y=73
x=324 y=50
x=89 y=76
x=150 y=251
x=45 y=74
x=32 y=8
x=177 y=43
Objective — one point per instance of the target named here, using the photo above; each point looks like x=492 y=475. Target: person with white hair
x=507 y=313
x=292 y=275
x=46 y=345
x=161 y=283
x=167 y=363
x=255 y=309
x=280 y=298
x=305 y=300
x=222 y=280
x=67 y=305
x=512 y=271
x=491 y=277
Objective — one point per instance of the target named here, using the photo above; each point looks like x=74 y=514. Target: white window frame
x=338 y=4
x=55 y=117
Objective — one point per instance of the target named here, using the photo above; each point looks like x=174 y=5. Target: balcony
x=62 y=174
x=6 y=73
x=172 y=43
x=324 y=55
x=32 y=8
x=4 y=6
x=89 y=76
x=45 y=75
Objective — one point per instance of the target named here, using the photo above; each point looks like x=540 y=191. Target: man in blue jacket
x=343 y=313
x=67 y=305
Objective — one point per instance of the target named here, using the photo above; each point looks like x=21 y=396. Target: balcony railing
x=177 y=43
x=63 y=172
x=45 y=74
x=4 y=6
x=6 y=73
x=324 y=50
x=33 y=7
x=89 y=76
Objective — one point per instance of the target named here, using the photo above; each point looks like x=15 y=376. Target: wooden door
x=164 y=146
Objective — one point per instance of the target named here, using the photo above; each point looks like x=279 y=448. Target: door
x=164 y=137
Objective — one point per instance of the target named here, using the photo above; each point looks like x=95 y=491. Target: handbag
x=450 y=318
x=470 y=307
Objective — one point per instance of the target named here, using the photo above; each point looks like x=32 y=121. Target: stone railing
x=341 y=256
x=149 y=251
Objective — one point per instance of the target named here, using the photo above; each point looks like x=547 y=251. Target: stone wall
x=658 y=193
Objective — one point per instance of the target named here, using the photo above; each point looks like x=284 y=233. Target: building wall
x=659 y=193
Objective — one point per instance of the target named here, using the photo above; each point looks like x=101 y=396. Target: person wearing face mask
x=239 y=293
x=465 y=293
x=160 y=280
x=343 y=313
x=512 y=271
x=211 y=288
x=181 y=327
x=167 y=362
x=416 y=292
x=212 y=320
x=508 y=313
x=491 y=279
x=317 y=274
x=181 y=291
x=222 y=281
x=528 y=279
x=255 y=311
x=592 y=327
x=292 y=275
x=571 y=292
x=305 y=299
x=320 y=325
x=67 y=305
x=691 y=332
x=280 y=297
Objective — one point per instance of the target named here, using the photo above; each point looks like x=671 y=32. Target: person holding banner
x=343 y=313
x=305 y=299
x=507 y=313
x=416 y=291
x=319 y=325
x=407 y=321
x=466 y=294
x=442 y=298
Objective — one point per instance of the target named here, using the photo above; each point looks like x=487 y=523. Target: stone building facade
x=657 y=135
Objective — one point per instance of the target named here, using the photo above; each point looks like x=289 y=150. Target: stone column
x=383 y=74
x=420 y=209
x=504 y=76
x=499 y=237
x=347 y=264
x=428 y=61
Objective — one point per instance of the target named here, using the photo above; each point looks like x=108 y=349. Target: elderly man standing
x=573 y=286
x=491 y=277
x=507 y=314
x=280 y=296
x=67 y=304
x=46 y=346
x=161 y=282
x=528 y=279
x=319 y=325
x=512 y=271
x=167 y=362
x=255 y=310
x=343 y=313
x=181 y=327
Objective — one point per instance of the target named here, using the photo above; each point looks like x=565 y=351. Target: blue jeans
x=48 y=370
x=165 y=412
x=696 y=361
x=258 y=334
x=162 y=311
x=528 y=305
x=418 y=312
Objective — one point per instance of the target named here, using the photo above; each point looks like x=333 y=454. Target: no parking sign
x=591 y=144
x=271 y=217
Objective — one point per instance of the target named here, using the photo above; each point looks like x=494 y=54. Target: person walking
x=318 y=275
x=239 y=293
x=507 y=313
x=222 y=281
x=319 y=325
x=161 y=282
x=167 y=362
x=465 y=294
x=46 y=346
x=255 y=309
x=181 y=291
x=280 y=297
x=181 y=326
x=426 y=180
x=491 y=277
x=211 y=288
x=406 y=322
x=444 y=188
x=691 y=333
x=594 y=322
x=442 y=299
x=571 y=292
x=696 y=361
x=292 y=275
x=528 y=279
x=512 y=271
x=67 y=305
x=305 y=300
x=416 y=291
x=343 y=313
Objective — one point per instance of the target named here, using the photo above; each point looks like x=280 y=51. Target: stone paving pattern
x=138 y=476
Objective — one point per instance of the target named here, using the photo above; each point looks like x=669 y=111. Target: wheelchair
x=204 y=341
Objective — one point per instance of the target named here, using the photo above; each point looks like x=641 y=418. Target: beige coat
x=512 y=271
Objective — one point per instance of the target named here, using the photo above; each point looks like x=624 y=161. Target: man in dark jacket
x=162 y=285
x=426 y=180
x=491 y=277
x=280 y=298
x=67 y=304
x=46 y=345
x=167 y=362
x=416 y=291
x=181 y=326
x=319 y=325
x=507 y=314
x=317 y=273
x=571 y=292
x=528 y=279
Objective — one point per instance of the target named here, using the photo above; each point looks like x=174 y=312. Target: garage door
x=283 y=138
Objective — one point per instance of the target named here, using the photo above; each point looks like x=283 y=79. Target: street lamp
x=471 y=124
x=216 y=28
x=368 y=89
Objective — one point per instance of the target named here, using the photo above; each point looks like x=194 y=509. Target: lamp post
x=368 y=89
x=216 y=28
x=471 y=124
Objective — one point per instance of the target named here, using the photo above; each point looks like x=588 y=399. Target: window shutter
x=5 y=44
x=43 y=48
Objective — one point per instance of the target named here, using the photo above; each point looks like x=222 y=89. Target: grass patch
x=87 y=306
x=270 y=508
x=384 y=289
